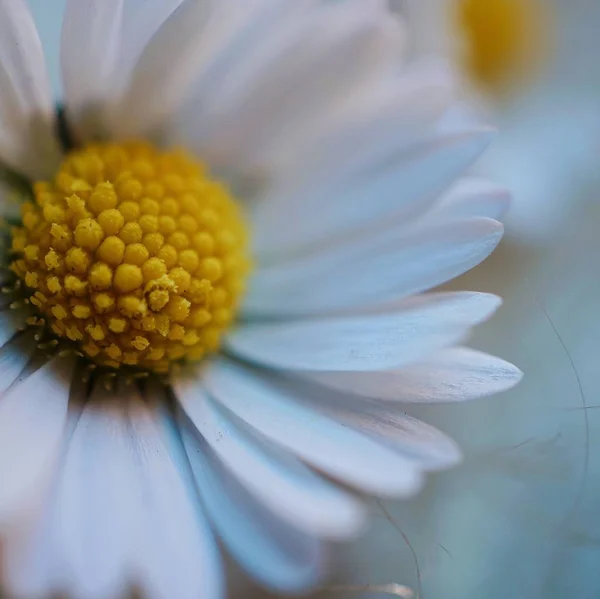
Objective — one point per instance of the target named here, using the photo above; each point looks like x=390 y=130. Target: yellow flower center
x=503 y=37
x=135 y=254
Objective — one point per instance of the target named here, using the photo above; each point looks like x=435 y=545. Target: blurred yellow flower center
x=135 y=254
x=502 y=37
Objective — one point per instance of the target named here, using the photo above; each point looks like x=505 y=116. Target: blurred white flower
x=522 y=62
x=121 y=458
x=495 y=45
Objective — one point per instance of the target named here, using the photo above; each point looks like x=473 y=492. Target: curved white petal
x=30 y=561
x=184 y=50
x=396 y=192
x=352 y=85
x=101 y=44
x=272 y=408
x=119 y=515
x=175 y=553
x=33 y=414
x=473 y=197
x=431 y=27
x=141 y=21
x=277 y=479
x=454 y=374
x=27 y=140
x=363 y=342
x=90 y=52
x=358 y=149
x=379 y=267
x=164 y=70
x=429 y=447
x=329 y=54
x=94 y=502
x=276 y=554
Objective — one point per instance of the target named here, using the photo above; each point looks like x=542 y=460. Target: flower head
x=217 y=296
x=493 y=43
x=516 y=60
x=134 y=254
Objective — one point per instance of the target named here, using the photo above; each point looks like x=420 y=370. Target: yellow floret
x=81 y=311
x=127 y=278
x=136 y=253
x=88 y=234
x=101 y=276
x=111 y=221
x=111 y=251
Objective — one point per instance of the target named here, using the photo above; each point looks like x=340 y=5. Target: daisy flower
x=215 y=289
x=527 y=63
x=493 y=44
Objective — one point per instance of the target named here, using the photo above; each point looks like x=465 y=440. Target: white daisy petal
x=454 y=374
x=30 y=562
x=348 y=97
x=101 y=44
x=119 y=514
x=90 y=51
x=359 y=150
x=363 y=46
x=432 y=449
x=361 y=153
x=277 y=555
x=141 y=20
x=364 y=342
x=239 y=43
x=184 y=49
x=295 y=75
x=277 y=479
x=399 y=191
x=95 y=497
x=175 y=551
x=473 y=197
x=170 y=58
x=272 y=409
x=383 y=266
x=429 y=27
x=27 y=140
x=33 y=413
